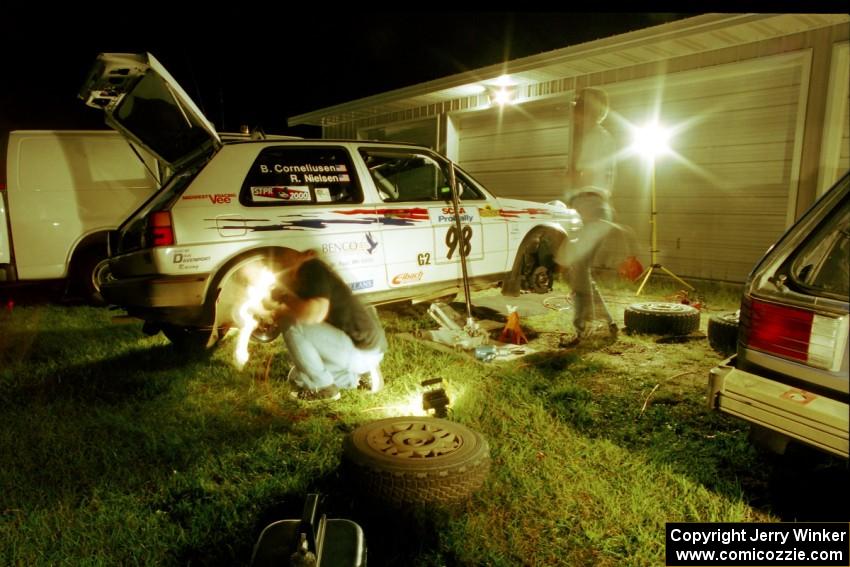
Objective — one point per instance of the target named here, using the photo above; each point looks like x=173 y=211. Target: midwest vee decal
x=215 y=199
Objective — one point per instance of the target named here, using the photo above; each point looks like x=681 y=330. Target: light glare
x=253 y=304
x=652 y=140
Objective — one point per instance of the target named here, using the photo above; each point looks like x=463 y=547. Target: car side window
x=822 y=264
x=284 y=176
x=405 y=176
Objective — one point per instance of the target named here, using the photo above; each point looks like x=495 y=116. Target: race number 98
x=464 y=242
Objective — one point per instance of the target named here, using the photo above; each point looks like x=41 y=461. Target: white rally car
x=381 y=214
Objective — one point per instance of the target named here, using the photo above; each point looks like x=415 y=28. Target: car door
x=423 y=241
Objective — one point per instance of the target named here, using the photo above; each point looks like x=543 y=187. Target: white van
x=63 y=192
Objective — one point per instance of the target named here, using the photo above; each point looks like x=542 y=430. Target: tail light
x=793 y=333
x=160 y=229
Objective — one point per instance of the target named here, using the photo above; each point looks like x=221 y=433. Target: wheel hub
x=414 y=440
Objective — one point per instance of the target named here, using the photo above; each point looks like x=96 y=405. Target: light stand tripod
x=653 y=252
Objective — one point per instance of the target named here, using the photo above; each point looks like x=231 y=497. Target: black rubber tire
x=723 y=332
x=661 y=318
x=445 y=462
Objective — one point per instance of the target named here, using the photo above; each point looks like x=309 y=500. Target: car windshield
x=823 y=263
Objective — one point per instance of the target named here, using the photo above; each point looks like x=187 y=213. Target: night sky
x=263 y=72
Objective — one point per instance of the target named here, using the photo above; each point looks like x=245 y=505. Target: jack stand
x=512 y=333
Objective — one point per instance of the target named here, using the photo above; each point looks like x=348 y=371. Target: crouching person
x=332 y=337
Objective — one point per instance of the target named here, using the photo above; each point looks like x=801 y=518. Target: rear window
x=822 y=264
x=283 y=176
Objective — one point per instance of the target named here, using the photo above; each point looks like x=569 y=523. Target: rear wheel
x=661 y=318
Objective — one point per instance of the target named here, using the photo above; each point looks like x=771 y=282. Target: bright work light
x=651 y=140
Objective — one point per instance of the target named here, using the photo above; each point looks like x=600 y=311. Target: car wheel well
x=538 y=248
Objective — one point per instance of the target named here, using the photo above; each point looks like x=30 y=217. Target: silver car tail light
x=794 y=333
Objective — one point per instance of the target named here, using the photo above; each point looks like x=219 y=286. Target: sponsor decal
x=365 y=284
x=323 y=195
x=445 y=215
x=276 y=193
x=372 y=242
x=488 y=212
x=215 y=199
x=345 y=246
x=185 y=260
x=407 y=278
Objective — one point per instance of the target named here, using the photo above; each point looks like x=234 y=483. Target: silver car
x=789 y=377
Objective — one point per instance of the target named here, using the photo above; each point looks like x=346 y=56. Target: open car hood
x=144 y=102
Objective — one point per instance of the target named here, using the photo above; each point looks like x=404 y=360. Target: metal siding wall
x=718 y=210
x=517 y=152
x=722 y=200
x=844 y=155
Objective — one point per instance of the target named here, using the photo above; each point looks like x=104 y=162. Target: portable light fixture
x=653 y=141
x=435 y=398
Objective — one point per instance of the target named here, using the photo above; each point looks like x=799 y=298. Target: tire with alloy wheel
x=417 y=460
x=661 y=318
x=723 y=332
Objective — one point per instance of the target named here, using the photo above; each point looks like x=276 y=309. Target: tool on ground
x=435 y=397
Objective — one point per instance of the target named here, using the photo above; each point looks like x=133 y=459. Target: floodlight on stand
x=435 y=397
x=653 y=141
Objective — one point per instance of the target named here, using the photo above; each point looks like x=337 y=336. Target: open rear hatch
x=144 y=102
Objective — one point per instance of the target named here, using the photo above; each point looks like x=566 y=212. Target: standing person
x=331 y=336
x=591 y=181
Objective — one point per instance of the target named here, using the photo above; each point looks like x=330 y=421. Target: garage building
x=758 y=103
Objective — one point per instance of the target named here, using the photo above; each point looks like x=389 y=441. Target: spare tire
x=723 y=332
x=417 y=460
x=661 y=318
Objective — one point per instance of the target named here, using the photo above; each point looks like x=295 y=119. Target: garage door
x=723 y=197
x=518 y=152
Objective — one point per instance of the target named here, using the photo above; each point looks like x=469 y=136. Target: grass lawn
x=118 y=449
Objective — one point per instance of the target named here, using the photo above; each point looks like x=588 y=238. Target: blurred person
x=331 y=336
x=591 y=180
